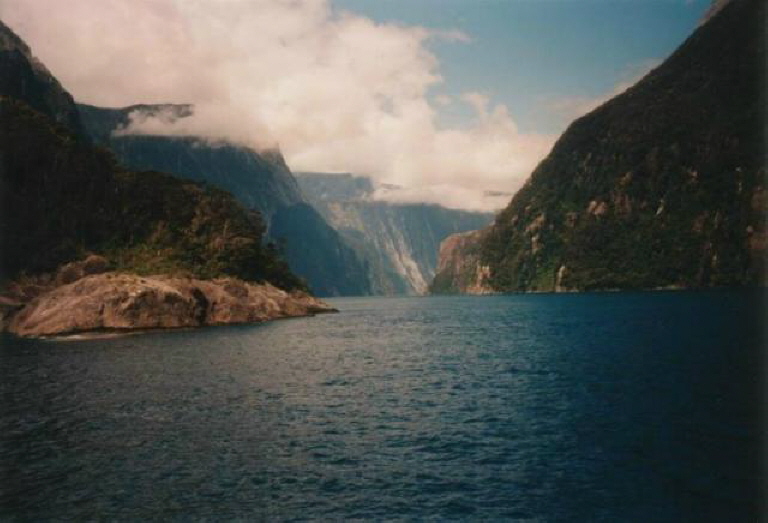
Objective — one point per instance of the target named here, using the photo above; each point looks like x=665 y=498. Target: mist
x=335 y=91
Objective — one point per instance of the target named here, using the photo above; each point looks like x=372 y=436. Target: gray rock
x=122 y=302
x=74 y=271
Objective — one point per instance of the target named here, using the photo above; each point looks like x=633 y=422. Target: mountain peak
x=10 y=41
x=24 y=77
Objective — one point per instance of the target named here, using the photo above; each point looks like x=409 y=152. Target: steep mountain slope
x=460 y=268
x=23 y=77
x=259 y=180
x=61 y=197
x=399 y=241
x=664 y=185
x=314 y=248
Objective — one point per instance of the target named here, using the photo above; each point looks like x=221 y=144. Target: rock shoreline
x=118 y=303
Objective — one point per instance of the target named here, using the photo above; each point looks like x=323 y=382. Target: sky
x=533 y=54
x=455 y=101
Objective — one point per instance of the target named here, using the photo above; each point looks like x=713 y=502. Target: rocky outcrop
x=460 y=270
x=30 y=287
x=125 y=302
x=77 y=270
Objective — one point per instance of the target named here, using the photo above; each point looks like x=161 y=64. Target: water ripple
x=520 y=408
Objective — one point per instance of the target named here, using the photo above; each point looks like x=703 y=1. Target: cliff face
x=259 y=180
x=399 y=241
x=664 y=185
x=460 y=269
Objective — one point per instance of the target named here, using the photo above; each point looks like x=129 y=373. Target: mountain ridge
x=661 y=186
x=23 y=76
x=62 y=197
x=260 y=180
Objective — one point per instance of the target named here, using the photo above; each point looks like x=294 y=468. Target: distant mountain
x=260 y=180
x=61 y=197
x=399 y=241
x=662 y=186
x=315 y=248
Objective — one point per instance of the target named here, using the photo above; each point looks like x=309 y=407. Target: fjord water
x=593 y=407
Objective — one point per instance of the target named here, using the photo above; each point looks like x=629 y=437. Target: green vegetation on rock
x=260 y=180
x=61 y=198
x=664 y=185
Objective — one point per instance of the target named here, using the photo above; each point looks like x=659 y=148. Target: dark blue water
x=595 y=407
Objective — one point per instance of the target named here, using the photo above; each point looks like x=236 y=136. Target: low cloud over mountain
x=336 y=91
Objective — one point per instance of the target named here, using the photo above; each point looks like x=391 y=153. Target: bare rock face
x=30 y=287
x=459 y=268
x=399 y=241
x=113 y=301
x=73 y=271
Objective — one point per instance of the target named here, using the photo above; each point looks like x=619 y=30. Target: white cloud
x=336 y=91
x=479 y=102
x=448 y=195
